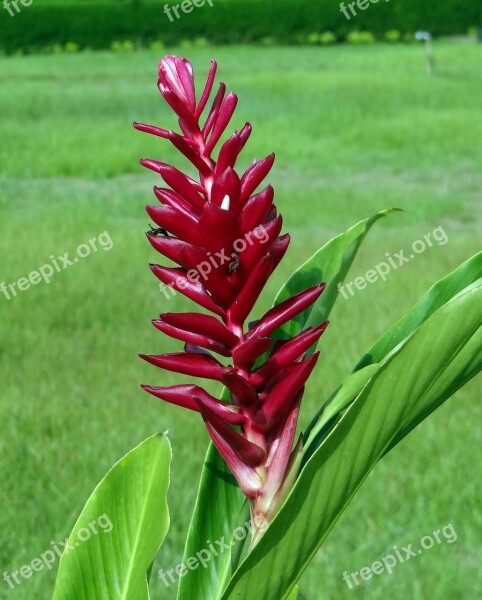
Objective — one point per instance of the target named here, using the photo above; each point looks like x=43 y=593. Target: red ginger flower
x=225 y=237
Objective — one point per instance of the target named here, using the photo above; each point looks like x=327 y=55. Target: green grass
x=355 y=130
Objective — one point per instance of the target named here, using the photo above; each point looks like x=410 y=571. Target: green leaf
x=329 y=264
x=297 y=594
x=466 y=364
x=219 y=501
x=113 y=565
x=216 y=515
x=443 y=291
x=217 y=512
x=335 y=405
x=440 y=357
x=464 y=277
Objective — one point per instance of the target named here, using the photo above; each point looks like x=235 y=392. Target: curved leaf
x=219 y=501
x=218 y=506
x=444 y=353
x=443 y=291
x=297 y=594
x=216 y=515
x=113 y=565
x=464 y=277
x=329 y=264
x=339 y=401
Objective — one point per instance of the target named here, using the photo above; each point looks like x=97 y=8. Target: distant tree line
x=100 y=24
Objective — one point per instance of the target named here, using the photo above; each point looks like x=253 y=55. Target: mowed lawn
x=356 y=130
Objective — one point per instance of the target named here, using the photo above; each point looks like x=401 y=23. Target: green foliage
x=440 y=293
x=201 y=42
x=218 y=510
x=327 y=37
x=423 y=360
x=466 y=275
x=157 y=45
x=329 y=264
x=433 y=363
x=126 y=46
x=268 y=41
x=98 y=24
x=296 y=594
x=393 y=35
x=114 y=563
x=360 y=37
x=312 y=38
x=71 y=47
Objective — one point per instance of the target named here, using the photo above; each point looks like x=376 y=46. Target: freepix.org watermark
x=57 y=264
x=50 y=557
x=395 y=261
x=213 y=549
x=187 y=6
x=219 y=259
x=361 y=4
x=12 y=6
x=400 y=556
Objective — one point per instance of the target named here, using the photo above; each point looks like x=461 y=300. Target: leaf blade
x=218 y=504
x=133 y=495
x=329 y=264
x=464 y=277
x=441 y=292
x=447 y=348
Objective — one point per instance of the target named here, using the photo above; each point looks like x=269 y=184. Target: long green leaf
x=113 y=563
x=339 y=401
x=467 y=275
x=216 y=515
x=219 y=500
x=444 y=353
x=443 y=291
x=297 y=594
x=329 y=264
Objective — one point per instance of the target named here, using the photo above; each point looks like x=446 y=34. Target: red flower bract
x=225 y=238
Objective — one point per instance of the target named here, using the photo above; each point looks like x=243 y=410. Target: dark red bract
x=224 y=236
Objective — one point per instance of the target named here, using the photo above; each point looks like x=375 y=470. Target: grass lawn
x=355 y=130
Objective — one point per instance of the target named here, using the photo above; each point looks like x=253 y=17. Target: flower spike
x=225 y=237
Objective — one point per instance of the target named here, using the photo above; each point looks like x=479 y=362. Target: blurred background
x=362 y=117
